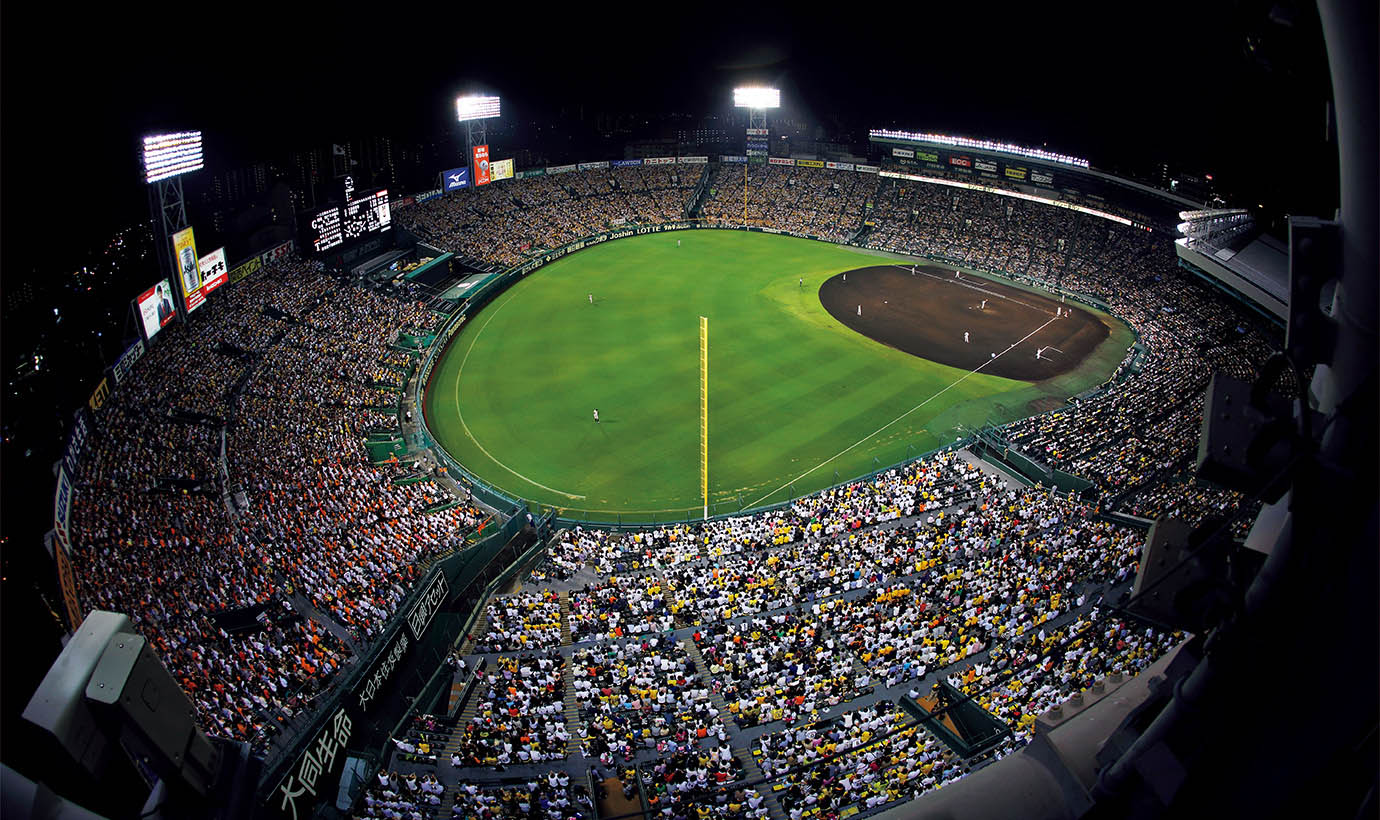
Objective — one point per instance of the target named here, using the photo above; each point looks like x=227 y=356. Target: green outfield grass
x=796 y=402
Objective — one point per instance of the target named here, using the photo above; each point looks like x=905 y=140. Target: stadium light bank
x=756 y=97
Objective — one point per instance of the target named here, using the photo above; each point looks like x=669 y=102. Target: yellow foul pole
x=704 y=413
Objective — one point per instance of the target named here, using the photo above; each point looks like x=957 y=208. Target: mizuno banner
x=455 y=179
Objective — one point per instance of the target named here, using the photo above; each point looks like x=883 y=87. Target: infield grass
x=797 y=401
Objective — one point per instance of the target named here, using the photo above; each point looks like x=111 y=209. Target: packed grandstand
x=754 y=666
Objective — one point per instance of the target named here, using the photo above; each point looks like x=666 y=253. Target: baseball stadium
x=936 y=477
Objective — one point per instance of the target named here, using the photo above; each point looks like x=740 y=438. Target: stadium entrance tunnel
x=964 y=321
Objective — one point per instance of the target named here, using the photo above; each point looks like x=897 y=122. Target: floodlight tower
x=756 y=99
x=475 y=111
x=166 y=158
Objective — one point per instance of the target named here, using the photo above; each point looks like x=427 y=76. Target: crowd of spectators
x=639 y=695
x=551 y=797
x=521 y=715
x=506 y=222
x=814 y=201
x=524 y=620
x=699 y=783
x=282 y=374
x=866 y=758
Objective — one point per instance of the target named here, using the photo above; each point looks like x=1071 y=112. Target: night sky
x=1118 y=86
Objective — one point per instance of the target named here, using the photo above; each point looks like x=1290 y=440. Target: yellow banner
x=810 y=163
x=101 y=393
x=185 y=262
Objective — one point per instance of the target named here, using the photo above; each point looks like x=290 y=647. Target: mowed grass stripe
x=789 y=385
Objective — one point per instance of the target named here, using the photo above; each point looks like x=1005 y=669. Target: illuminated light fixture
x=981 y=145
x=167 y=155
x=756 y=97
x=476 y=108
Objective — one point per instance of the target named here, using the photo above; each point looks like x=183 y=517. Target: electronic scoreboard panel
x=356 y=220
x=324 y=233
x=366 y=215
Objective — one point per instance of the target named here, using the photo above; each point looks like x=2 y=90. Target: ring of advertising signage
x=156 y=308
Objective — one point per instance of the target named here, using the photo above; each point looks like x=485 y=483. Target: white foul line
x=965 y=283
x=461 y=416
x=903 y=415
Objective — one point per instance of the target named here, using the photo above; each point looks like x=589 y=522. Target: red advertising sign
x=481 y=165
x=961 y=161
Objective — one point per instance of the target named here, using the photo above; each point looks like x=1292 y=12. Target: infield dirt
x=928 y=312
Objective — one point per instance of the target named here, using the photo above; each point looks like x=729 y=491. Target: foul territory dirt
x=926 y=314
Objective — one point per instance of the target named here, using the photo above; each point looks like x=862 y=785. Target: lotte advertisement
x=481 y=165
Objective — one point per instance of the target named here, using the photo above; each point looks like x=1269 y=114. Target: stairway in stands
x=752 y=773
x=572 y=709
x=714 y=697
x=565 y=618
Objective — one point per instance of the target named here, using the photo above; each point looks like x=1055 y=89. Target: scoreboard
x=325 y=231
x=356 y=220
x=366 y=215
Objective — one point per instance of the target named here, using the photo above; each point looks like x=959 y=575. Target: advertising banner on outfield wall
x=626 y=163
x=123 y=365
x=985 y=165
x=758 y=132
x=866 y=169
x=594 y=166
x=693 y=160
x=246 y=270
x=62 y=509
x=98 y=397
x=1015 y=173
x=502 y=169
x=278 y=252
x=926 y=156
x=156 y=308
x=1041 y=179
x=903 y=152
x=839 y=166
x=184 y=262
x=809 y=163
x=559 y=169
x=530 y=173
x=731 y=158
x=67 y=583
x=315 y=776
x=213 y=270
x=481 y=165
x=76 y=442
x=454 y=179
x=659 y=161
x=961 y=162
x=781 y=161
x=427 y=196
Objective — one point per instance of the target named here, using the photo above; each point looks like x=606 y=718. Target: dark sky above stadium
x=1106 y=81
